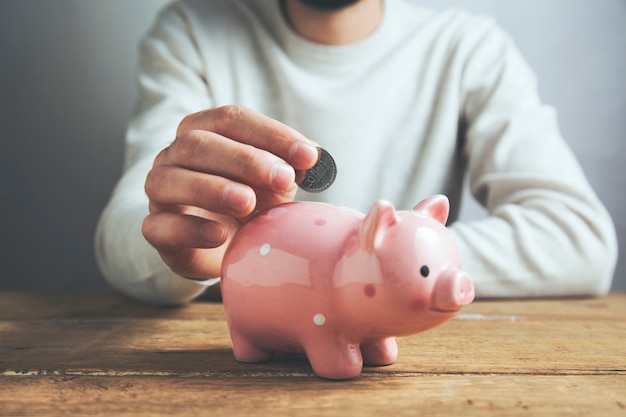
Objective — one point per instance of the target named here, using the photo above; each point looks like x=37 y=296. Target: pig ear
x=436 y=206
x=380 y=218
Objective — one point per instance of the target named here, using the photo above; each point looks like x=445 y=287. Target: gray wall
x=66 y=91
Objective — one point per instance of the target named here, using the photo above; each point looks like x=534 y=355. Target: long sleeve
x=546 y=233
x=170 y=87
x=388 y=109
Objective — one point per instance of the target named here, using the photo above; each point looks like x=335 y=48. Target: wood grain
x=432 y=395
x=80 y=354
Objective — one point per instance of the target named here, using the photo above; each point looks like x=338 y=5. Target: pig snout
x=453 y=290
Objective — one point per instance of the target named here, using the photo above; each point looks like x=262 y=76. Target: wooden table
x=91 y=354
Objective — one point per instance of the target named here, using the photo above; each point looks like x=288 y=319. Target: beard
x=329 y=4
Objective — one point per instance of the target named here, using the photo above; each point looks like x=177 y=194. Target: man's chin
x=329 y=4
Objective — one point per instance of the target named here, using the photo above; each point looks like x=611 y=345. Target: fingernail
x=283 y=176
x=212 y=232
x=237 y=199
x=303 y=155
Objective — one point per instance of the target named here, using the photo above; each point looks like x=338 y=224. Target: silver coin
x=321 y=176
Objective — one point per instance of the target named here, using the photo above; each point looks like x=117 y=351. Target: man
x=407 y=100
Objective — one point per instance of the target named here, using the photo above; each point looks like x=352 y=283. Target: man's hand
x=225 y=164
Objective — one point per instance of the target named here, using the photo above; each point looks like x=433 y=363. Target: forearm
x=539 y=248
x=547 y=233
x=169 y=89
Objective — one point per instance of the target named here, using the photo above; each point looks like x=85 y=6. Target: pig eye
x=424 y=271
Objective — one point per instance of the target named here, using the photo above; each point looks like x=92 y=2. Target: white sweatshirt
x=427 y=99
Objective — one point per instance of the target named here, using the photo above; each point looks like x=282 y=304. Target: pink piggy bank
x=339 y=285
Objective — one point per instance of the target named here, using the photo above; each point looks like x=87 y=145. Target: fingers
x=250 y=127
x=191 y=246
x=170 y=231
x=214 y=154
x=224 y=164
x=207 y=170
x=172 y=185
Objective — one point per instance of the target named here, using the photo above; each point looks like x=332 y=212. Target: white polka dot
x=319 y=319
x=265 y=249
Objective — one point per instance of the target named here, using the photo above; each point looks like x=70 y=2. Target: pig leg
x=380 y=352
x=246 y=351
x=334 y=359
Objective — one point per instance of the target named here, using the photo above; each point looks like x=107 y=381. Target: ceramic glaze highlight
x=339 y=285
